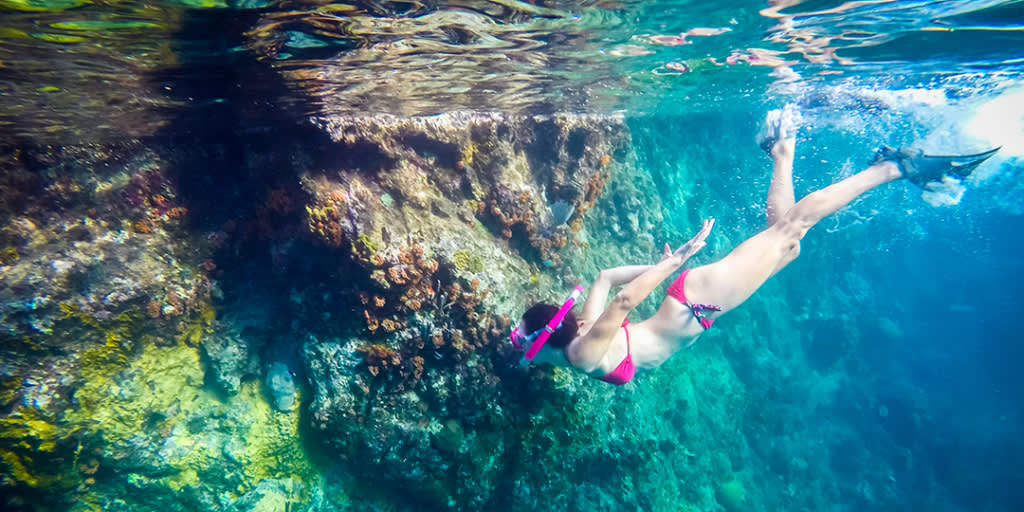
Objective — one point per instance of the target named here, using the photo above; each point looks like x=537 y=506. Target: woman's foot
x=922 y=169
x=778 y=133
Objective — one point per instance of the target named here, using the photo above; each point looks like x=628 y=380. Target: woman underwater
x=602 y=343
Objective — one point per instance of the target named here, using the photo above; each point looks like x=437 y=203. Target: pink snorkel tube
x=552 y=325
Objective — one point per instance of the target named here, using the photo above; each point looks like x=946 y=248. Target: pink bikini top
x=625 y=371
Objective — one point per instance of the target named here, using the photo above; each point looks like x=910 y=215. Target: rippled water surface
x=74 y=69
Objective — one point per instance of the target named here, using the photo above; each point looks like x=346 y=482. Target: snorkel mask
x=540 y=336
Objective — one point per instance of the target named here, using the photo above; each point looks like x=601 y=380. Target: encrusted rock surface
x=166 y=344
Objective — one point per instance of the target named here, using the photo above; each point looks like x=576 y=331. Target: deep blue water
x=927 y=298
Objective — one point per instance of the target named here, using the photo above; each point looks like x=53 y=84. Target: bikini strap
x=698 y=313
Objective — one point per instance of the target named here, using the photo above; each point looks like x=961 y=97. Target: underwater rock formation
x=449 y=217
x=281 y=386
x=106 y=297
x=151 y=360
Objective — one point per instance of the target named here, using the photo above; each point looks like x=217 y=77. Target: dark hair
x=540 y=314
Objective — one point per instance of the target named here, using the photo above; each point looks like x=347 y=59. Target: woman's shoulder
x=577 y=356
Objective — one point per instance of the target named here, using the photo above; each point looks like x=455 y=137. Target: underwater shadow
x=236 y=149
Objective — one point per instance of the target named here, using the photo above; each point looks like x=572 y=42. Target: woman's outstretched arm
x=597 y=296
x=638 y=289
x=586 y=352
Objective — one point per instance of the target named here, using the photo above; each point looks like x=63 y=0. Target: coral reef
x=137 y=361
x=504 y=172
x=105 y=299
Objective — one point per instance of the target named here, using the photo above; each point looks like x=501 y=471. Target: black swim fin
x=922 y=169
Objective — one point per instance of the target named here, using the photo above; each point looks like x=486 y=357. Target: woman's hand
x=695 y=244
x=666 y=254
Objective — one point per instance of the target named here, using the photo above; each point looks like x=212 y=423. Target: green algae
x=241 y=443
x=172 y=371
x=28 y=445
x=13 y=33
x=469 y=152
x=731 y=496
x=58 y=38
x=20 y=467
x=40 y=5
x=466 y=261
x=32 y=432
x=156 y=392
x=203 y=4
x=117 y=336
x=102 y=25
x=365 y=243
x=193 y=329
x=9 y=255
x=9 y=389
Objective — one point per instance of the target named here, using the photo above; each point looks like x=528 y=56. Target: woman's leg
x=780 y=192
x=731 y=280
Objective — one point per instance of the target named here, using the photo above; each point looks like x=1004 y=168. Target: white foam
x=947 y=193
x=1000 y=122
x=902 y=98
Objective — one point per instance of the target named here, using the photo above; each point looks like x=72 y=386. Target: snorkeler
x=602 y=343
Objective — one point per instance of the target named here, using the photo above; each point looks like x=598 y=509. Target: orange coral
x=332 y=233
x=576 y=225
x=379 y=355
x=417 y=363
x=371 y=321
x=397 y=275
x=605 y=160
x=153 y=309
x=174 y=300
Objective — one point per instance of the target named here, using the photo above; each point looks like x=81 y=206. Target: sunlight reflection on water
x=96 y=69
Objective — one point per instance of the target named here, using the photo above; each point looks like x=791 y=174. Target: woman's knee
x=789 y=253
x=787 y=238
x=793 y=227
x=792 y=251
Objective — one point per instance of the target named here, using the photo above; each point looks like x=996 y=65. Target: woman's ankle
x=784 y=148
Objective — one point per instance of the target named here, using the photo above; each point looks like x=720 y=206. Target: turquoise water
x=251 y=259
